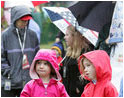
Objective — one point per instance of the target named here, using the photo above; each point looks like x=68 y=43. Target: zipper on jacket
x=46 y=91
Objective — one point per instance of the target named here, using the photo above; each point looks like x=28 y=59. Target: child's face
x=43 y=68
x=88 y=69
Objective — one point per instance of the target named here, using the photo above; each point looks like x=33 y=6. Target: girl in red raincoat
x=45 y=77
x=95 y=67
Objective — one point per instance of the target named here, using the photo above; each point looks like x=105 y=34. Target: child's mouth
x=87 y=74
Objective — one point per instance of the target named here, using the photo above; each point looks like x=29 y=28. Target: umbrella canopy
x=36 y=3
x=9 y=4
x=62 y=18
x=93 y=14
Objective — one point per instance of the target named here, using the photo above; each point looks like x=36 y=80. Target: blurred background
x=48 y=29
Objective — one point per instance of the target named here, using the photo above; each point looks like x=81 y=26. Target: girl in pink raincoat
x=95 y=67
x=45 y=77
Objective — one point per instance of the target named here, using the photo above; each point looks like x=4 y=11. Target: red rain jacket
x=103 y=86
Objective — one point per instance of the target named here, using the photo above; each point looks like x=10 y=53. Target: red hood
x=101 y=61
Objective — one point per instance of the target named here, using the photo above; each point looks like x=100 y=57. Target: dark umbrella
x=93 y=14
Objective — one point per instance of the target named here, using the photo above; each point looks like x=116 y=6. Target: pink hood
x=48 y=55
x=101 y=61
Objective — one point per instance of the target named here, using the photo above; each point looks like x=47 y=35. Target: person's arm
x=103 y=39
x=80 y=84
x=5 y=66
x=37 y=44
x=26 y=92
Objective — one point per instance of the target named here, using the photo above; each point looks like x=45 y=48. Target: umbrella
x=93 y=14
x=36 y=3
x=9 y=4
x=63 y=17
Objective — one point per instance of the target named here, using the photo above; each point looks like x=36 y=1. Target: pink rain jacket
x=35 y=87
x=103 y=86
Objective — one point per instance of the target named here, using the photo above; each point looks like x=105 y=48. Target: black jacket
x=71 y=76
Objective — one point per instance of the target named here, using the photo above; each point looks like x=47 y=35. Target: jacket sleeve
x=5 y=66
x=62 y=90
x=37 y=44
x=26 y=92
x=110 y=91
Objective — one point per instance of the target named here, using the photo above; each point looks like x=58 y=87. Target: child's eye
x=88 y=65
x=38 y=62
x=45 y=63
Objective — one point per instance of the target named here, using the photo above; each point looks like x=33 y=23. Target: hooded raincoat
x=103 y=86
x=35 y=87
x=11 y=54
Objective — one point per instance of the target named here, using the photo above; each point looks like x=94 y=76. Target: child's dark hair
x=53 y=73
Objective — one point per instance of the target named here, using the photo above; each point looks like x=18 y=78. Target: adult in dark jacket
x=19 y=46
x=77 y=44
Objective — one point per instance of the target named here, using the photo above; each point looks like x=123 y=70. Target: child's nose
x=41 y=65
x=85 y=70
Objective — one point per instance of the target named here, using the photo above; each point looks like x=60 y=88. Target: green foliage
x=49 y=30
x=46 y=46
x=3 y=21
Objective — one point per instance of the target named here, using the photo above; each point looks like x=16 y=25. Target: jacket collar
x=40 y=82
